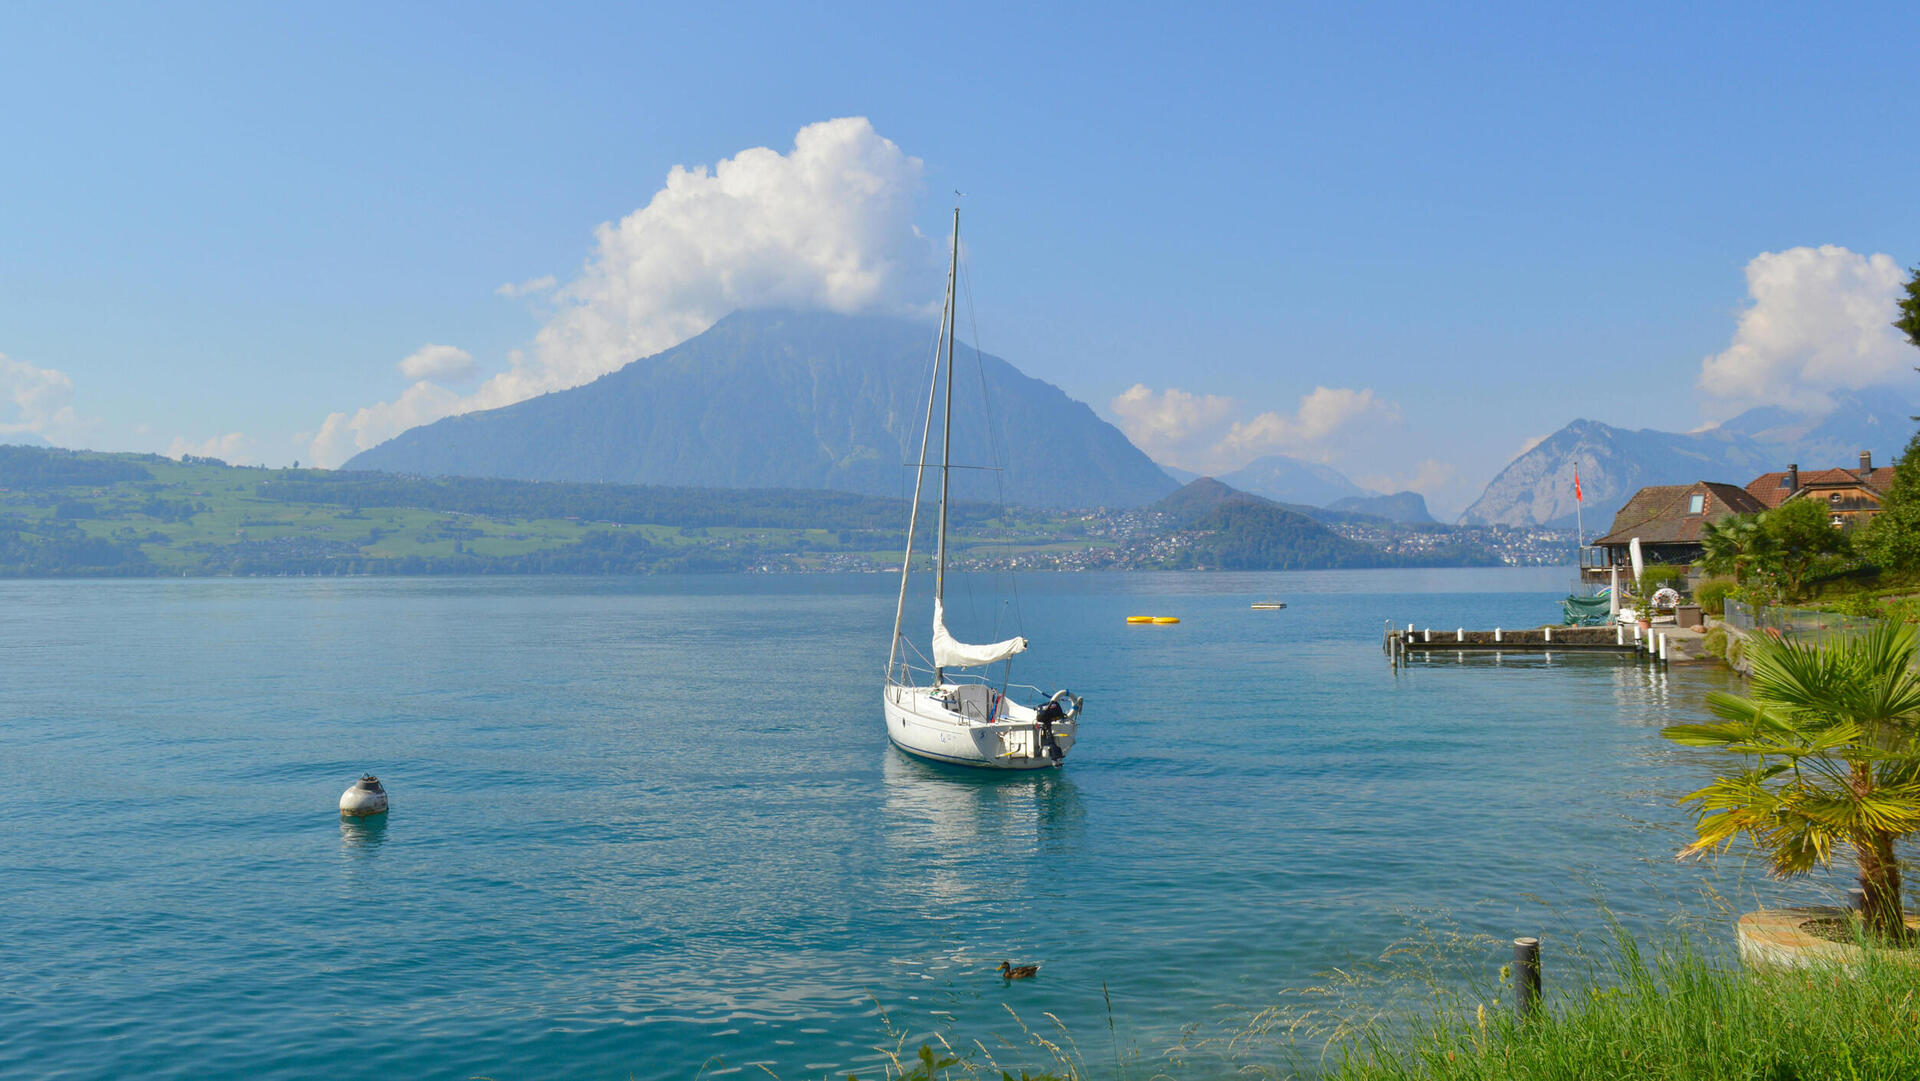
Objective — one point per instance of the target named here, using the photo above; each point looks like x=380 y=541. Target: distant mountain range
x=780 y=399
x=1298 y=484
x=1537 y=487
x=1293 y=480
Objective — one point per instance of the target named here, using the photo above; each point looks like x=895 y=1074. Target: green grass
x=1675 y=1016
x=1671 y=1015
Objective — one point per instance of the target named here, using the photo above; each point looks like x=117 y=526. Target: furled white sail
x=949 y=652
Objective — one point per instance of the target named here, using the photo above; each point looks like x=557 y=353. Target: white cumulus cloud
x=1819 y=321
x=1201 y=432
x=438 y=362
x=234 y=448
x=542 y=284
x=1163 y=422
x=827 y=225
x=342 y=435
x=1429 y=478
x=1322 y=412
x=42 y=400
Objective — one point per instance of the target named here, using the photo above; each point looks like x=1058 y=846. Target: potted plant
x=1828 y=734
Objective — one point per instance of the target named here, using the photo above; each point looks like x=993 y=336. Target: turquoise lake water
x=650 y=827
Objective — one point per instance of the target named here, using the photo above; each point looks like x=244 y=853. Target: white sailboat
x=953 y=716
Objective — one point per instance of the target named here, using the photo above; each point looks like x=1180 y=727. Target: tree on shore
x=1909 y=321
x=1830 y=732
x=1733 y=545
x=1799 y=540
x=1892 y=538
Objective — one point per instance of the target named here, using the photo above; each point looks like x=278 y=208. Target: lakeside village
x=1148 y=539
x=1837 y=541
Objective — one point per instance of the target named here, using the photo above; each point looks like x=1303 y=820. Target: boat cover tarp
x=949 y=652
x=1586 y=611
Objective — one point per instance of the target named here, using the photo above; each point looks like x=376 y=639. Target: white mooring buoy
x=365 y=798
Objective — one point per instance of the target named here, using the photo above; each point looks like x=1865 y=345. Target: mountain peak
x=1536 y=488
x=776 y=398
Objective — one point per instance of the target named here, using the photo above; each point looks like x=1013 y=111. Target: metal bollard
x=1526 y=977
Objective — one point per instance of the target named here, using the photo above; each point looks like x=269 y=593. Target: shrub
x=1901 y=610
x=1712 y=595
x=1655 y=576
x=1716 y=642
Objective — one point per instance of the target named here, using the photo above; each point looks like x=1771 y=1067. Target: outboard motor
x=1050 y=712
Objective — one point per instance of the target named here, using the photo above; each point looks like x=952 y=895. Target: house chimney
x=1793 y=477
x=1866 y=461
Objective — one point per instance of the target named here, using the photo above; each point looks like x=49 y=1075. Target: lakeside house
x=1851 y=496
x=1669 y=519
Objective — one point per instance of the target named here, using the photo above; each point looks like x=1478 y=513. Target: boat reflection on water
x=358 y=836
x=968 y=836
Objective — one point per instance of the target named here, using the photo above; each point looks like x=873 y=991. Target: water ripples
x=646 y=826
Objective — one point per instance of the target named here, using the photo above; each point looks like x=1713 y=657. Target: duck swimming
x=1011 y=971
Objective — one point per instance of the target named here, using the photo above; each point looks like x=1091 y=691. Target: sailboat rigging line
x=920 y=474
x=946 y=433
x=997 y=447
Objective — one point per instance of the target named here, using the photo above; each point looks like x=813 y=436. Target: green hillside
x=83 y=513
x=80 y=513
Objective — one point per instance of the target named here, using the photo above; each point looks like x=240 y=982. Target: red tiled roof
x=1770 y=488
x=1658 y=514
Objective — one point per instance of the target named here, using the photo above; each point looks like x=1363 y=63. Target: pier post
x=1526 y=977
x=1663 y=649
x=1427 y=635
x=1460 y=635
x=1549 y=631
x=1619 y=635
x=1496 y=634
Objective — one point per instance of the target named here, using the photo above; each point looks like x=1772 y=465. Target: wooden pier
x=1400 y=642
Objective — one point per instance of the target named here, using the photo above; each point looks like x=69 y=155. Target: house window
x=1833 y=497
x=1784 y=484
x=1696 y=504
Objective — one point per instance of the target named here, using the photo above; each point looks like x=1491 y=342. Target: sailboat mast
x=919 y=478
x=946 y=427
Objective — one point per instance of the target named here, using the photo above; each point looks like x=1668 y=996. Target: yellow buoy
x=1166 y=619
x=1139 y=619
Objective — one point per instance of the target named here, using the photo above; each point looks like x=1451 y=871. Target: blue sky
x=220 y=225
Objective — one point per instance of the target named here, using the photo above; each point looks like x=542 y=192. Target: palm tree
x=1732 y=545
x=1830 y=732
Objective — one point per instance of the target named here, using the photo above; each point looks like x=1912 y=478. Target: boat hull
x=920 y=726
